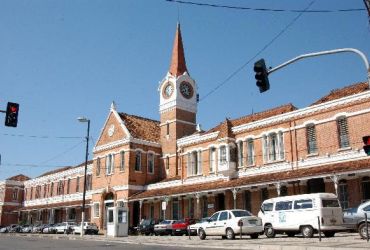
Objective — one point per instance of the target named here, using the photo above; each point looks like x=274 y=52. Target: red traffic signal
x=11 y=117
x=366 y=140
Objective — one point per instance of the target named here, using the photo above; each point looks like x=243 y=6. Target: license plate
x=253 y=222
x=178 y=230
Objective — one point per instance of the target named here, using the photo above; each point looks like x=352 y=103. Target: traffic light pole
x=327 y=52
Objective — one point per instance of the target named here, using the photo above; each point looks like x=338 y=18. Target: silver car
x=354 y=218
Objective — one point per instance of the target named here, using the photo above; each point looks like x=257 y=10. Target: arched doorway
x=108 y=202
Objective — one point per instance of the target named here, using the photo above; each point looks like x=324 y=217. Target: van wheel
x=230 y=234
x=269 y=231
x=329 y=234
x=362 y=230
x=202 y=234
x=290 y=234
x=254 y=236
x=307 y=231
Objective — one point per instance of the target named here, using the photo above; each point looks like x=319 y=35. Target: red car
x=181 y=227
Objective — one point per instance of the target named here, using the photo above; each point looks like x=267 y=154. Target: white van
x=300 y=213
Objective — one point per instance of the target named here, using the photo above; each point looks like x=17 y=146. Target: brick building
x=142 y=163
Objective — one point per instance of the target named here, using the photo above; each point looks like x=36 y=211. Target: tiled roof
x=343 y=92
x=254 y=117
x=61 y=169
x=141 y=128
x=178 y=64
x=19 y=177
x=256 y=179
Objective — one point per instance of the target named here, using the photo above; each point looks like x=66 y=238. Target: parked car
x=299 y=213
x=354 y=218
x=180 y=227
x=48 y=229
x=228 y=223
x=164 y=227
x=26 y=229
x=14 y=228
x=64 y=227
x=38 y=228
x=89 y=228
x=4 y=230
x=146 y=227
x=195 y=227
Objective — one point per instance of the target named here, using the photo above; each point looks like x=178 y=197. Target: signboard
x=211 y=206
x=164 y=205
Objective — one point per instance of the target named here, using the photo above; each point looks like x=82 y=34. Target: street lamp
x=84 y=119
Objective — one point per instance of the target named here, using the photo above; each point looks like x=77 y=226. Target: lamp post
x=84 y=119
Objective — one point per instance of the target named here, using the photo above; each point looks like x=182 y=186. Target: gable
x=112 y=131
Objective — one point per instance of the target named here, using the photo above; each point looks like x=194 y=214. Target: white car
x=195 y=227
x=89 y=228
x=64 y=227
x=228 y=223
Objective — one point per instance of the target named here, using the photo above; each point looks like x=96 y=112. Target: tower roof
x=178 y=64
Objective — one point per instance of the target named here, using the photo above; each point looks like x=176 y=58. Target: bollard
x=189 y=232
x=240 y=224
x=367 y=228
x=318 y=221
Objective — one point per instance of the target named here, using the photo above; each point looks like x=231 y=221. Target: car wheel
x=254 y=236
x=329 y=234
x=290 y=234
x=269 y=231
x=202 y=234
x=230 y=234
x=307 y=231
x=362 y=230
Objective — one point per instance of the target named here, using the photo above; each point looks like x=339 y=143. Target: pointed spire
x=113 y=106
x=178 y=64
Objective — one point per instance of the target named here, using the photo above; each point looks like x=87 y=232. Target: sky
x=64 y=59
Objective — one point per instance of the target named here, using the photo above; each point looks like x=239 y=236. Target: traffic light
x=261 y=75
x=11 y=117
x=366 y=140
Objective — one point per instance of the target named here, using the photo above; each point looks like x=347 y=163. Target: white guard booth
x=117 y=222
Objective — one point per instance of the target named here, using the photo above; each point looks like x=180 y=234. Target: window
x=71 y=214
x=247 y=200
x=15 y=194
x=137 y=161
x=283 y=191
x=212 y=159
x=68 y=186
x=89 y=182
x=240 y=149
x=250 y=148
x=267 y=207
x=223 y=155
x=205 y=207
x=109 y=164
x=60 y=188
x=98 y=166
x=38 y=192
x=51 y=189
x=96 y=210
x=190 y=208
x=303 y=204
x=330 y=203
x=273 y=147
x=311 y=139
x=194 y=163
x=264 y=194
x=223 y=216
x=175 y=209
x=365 y=188
x=283 y=205
x=151 y=163
x=343 y=132
x=122 y=161
x=214 y=217
x=78 y=184
x=167 y=129
x=45 y=190
x=343 y=193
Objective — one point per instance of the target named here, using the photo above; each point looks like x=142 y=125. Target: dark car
x=147 y=227
x=181 y=227
x=354 y=218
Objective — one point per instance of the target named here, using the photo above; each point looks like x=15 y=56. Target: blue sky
x=64 y=59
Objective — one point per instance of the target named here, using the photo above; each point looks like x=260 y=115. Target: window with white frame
x=137 y=161
x=199 y=168
x=150 y=163
x=273 y=147
x=311 y=139
x=14 y=194
x=45 y=190
x=72 y=214
x=223 y=156
x=78 y=184
x=51 y=189
x=212 y=159
x=68 y=186
x=240 y=149
x=122 y=161
x=96 y=210
x=343 y=193
x=343 y=135
x=89 y=182
x=194 y=162
x=98 y=166
x=109 y=164
x=60 y=188
x=250 y=150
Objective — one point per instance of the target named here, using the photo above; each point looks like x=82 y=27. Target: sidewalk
x=342 y=241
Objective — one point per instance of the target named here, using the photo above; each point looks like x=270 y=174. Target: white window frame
x=109 y=164
x=223 y=154
x=138 y=162
x=212 y=159
x=150 y=159
x=273 y=150
x=96 y=211
x=250 y=152
x=15 y=194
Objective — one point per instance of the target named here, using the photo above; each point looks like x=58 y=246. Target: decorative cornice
x=196 y=138
x=303 y=112
x=124 y=142
x=128 y=187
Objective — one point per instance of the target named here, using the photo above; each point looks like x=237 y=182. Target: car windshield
x=241 y=213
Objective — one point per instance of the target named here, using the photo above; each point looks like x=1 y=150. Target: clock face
x=168 y=90
x=186 y=90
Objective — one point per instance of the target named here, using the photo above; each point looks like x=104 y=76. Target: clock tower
x=178 y=106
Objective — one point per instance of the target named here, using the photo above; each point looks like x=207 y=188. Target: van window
x=330 y=203
x=283 y=205
x=267 y=206
x=303 y=204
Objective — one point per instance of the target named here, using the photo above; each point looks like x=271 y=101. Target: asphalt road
x=29 y=243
